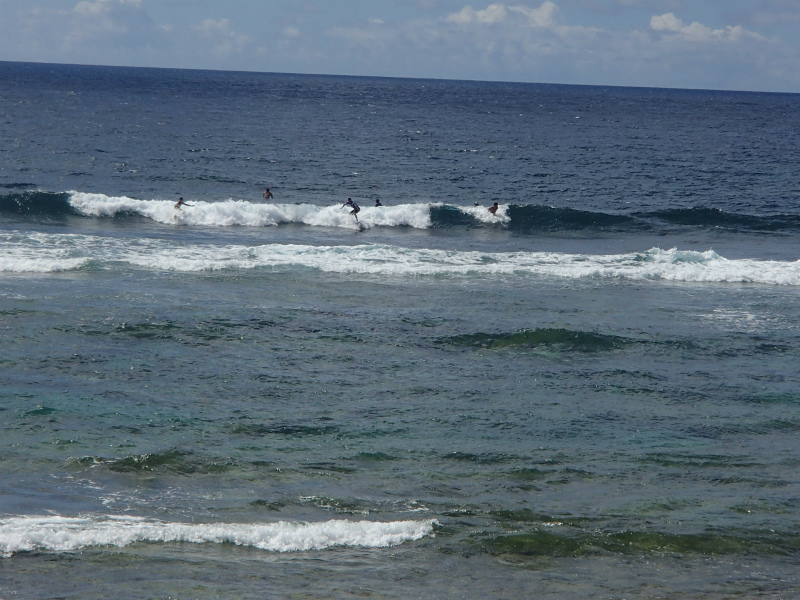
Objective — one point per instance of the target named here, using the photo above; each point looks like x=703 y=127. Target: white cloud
x=545 y=15
x=102 y=7
x=291 y=32
x=224 y=40
x=641 y=42
x=696 y=32
x=503 y=41
x=494 y=13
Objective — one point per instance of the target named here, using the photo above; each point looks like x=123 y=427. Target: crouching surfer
x=178 y=204
x=354 y=206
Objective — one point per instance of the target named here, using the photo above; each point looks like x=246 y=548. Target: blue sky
x=717 y=44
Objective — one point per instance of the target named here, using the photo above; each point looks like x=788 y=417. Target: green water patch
x=202 y=332
x=170 y=461
x=774 y=398
x=374 y=457
x=526 y=515
x=264 y=504
x=127 y=429
x=148 y=331
x=13 y=312
x=666 y=505
x=736 y=429
x=695 y=461
x=40 y=411
x=543 y=543
x=329 y=467
x=764 y=507
x=284 y=429
x=487 y=458
x=350 y=506
x=549 y=338
x=538 y=543
x=531 y=474
x=423 y=321
x=772 y=348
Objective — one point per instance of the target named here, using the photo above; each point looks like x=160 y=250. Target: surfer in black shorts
x=354 y=206
x=180 y=203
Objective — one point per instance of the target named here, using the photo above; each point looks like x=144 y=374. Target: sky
x=710 y=44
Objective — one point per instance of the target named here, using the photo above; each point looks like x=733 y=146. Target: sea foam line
x=230 y=213
x=65 y=534
x=39 y=252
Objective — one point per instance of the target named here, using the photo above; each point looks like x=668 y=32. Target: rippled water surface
x=591 y=393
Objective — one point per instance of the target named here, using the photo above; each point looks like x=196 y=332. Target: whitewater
x=70 y=534
x=44 y=253
x=231 y=212
x=591 y=392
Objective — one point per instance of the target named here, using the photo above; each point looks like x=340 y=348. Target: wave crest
x=40 y=252
x=230 y=213
x=65 y=534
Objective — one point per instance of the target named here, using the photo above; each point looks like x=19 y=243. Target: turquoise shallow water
x=593 y=400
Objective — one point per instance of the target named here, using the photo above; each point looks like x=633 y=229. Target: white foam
x=64 y=534
x=242 y=213
x=482 y=214
x=38 y=252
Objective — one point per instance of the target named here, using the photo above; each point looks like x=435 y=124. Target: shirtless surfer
x=354 y=206
x=493 y=208
x=267 y=194
x=180 y=203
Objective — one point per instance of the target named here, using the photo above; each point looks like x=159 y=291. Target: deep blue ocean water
x=592 y=393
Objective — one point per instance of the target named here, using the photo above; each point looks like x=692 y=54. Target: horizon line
x=395 y=77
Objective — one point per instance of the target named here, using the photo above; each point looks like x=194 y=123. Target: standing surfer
x=354 y=206
x=180 y=203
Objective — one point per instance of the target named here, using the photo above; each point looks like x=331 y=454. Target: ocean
x=592 y=393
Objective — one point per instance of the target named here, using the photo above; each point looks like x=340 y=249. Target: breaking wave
x=521 y=219
x=67 y=534
x=42 y=253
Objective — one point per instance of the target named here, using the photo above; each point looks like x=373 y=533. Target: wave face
x=231 y=213
x=42 y=253
x=521 y=219
x=68 y=534
x=547 y=218
x=715 y=218
x=33 y=204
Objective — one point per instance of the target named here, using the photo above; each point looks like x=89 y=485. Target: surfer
x=267 y=194
x=180 y=203
x=378 y=202
x=354 y=206
x=493 y=208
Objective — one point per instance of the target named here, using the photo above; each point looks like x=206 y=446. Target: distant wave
x=712 y=217
x=41 y=253
x=521 y=219
x=66 y=534
x=579 y=341
x=36 y=204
